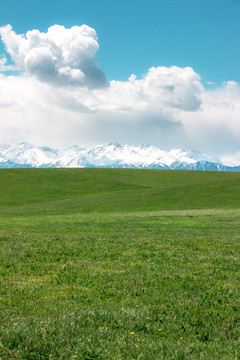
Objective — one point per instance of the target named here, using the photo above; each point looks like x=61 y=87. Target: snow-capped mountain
x=20 y=154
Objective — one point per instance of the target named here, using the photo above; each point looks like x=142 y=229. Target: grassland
x=119 y=264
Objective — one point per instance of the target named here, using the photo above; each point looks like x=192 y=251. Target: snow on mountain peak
x=17 y=154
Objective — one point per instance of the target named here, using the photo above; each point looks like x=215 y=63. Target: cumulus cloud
x=4 y=66
x=216 y=126
x=61 y=98
x=172 y=88
x=127 y=112
x=60 y=56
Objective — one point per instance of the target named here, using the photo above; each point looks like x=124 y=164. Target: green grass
x=94 y=262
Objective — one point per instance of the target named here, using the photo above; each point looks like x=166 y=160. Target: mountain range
x=113 y=155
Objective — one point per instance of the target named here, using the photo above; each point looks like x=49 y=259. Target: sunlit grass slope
x=57 y=191
x=119 y=264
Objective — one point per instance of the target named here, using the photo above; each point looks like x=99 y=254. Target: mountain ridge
x=19 y=154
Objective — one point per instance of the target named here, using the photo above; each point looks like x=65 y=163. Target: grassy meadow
x=119 y=264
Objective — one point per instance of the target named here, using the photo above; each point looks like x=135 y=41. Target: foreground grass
x=109 y=282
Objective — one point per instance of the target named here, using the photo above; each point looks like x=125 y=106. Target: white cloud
x=61 y=56
x=4 y=66
x=216 y=127
x=60 y=99
x=161 y=89
x=231 y=159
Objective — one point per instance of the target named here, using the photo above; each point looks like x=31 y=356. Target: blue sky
x=137 y=34
x=165 y=73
